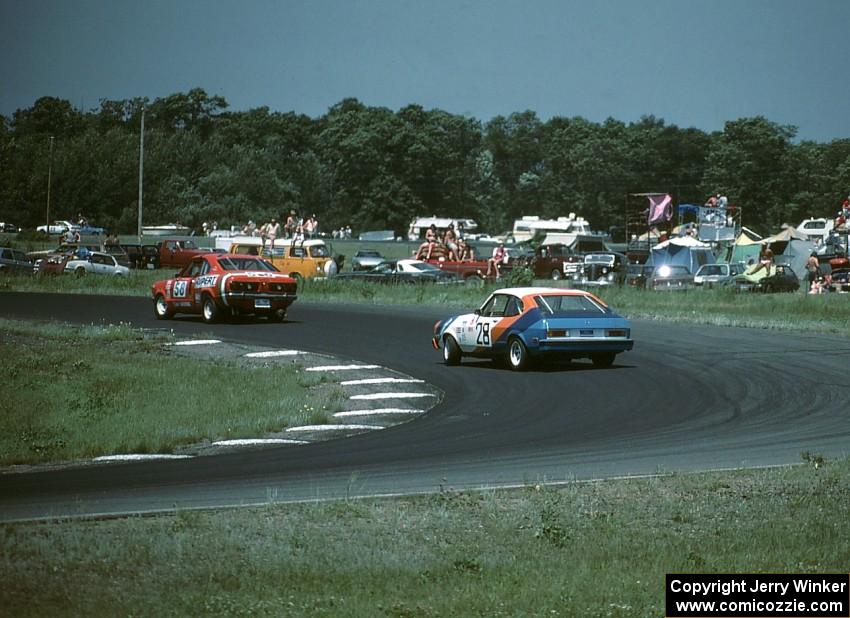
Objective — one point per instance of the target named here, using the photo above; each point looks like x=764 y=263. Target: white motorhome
x=420 y=225
x=528 y=226
x=816 y=229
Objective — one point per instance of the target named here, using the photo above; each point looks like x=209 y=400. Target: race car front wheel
x=451 y=351
x=210 y=310
x=160 y=308
x=518 y=357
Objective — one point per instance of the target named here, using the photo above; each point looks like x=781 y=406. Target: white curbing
x=381 y=381
x=341 y=367
x=253 y=441
x=374 y=396
x=273 y=353
x=197 y=342
x=139 y=457
x=332 y=427
x=377 y=411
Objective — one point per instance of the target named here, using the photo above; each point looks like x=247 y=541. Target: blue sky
x=694 y=64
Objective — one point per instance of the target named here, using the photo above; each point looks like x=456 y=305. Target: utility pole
x=141 y=171
x=49 y=182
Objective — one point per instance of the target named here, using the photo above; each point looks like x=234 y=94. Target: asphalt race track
x=687 y=398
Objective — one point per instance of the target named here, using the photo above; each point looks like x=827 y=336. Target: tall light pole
x=49 y=182
x=141 y=171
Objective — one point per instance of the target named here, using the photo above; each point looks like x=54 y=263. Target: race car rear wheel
x=210 y=310
x=518 y=357
x=451 y=351
x=278 y=316
x=603 y=359
x=161 y=309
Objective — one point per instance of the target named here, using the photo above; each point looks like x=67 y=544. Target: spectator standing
x=311 y=226
x=812 y=270
x=291 y=224
x=272 y=231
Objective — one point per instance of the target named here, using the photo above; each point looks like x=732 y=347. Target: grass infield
x=77 y=392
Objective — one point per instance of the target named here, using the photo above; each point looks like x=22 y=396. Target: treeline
x=373 y=168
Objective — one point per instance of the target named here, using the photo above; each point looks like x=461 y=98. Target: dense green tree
x=373 y=168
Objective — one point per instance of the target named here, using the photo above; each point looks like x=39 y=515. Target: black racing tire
x=603 y=359
x=519 y=358
x=556 y=275
x=209 y=310
x=451 y=351
x=278 y=315
x=161 y=309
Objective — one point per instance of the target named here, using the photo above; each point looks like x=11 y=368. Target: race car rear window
x=568 y=305
x=246 y=263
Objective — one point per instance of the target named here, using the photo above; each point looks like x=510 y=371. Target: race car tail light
x=244 y=286
x=618 y=332
x=557 y=332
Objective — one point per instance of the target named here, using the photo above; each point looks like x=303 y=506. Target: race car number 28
x=483 y=333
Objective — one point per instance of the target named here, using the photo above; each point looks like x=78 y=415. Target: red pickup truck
x=469 y=270
x=176 y=253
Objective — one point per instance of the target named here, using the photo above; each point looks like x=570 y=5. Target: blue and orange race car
x=522 y=324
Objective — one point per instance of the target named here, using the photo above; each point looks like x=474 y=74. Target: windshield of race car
x=245 y=263
x=558 y=305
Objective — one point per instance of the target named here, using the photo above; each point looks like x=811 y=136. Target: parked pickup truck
x=467 y=271
x=176 y=253
x=555 y=261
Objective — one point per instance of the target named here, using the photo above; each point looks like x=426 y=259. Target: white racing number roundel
x=179 y=290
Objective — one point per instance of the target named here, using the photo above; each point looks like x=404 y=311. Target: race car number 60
x=483 y=333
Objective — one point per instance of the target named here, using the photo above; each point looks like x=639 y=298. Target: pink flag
x=660 y=208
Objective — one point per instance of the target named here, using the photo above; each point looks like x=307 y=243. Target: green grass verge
x=78 y=392
x=586 y=549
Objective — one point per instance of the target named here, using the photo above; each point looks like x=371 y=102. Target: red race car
x=223 y=284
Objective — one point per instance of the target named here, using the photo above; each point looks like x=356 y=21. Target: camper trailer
x=420 y=225
x=528 y=226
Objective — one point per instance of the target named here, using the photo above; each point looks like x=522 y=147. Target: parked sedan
x=96 y=263
x=670 y=277
x=521 y=324
x=58 y=227
x=718 y=275
x=9 y=228
x=364 y=260
x=13 y=261
x=402 y=271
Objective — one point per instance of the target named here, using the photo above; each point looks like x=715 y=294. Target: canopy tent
x=791 y=248
x=682 y=251
x=788 y=246
x=746 y=248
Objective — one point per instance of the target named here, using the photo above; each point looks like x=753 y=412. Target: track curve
x=687 y=398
